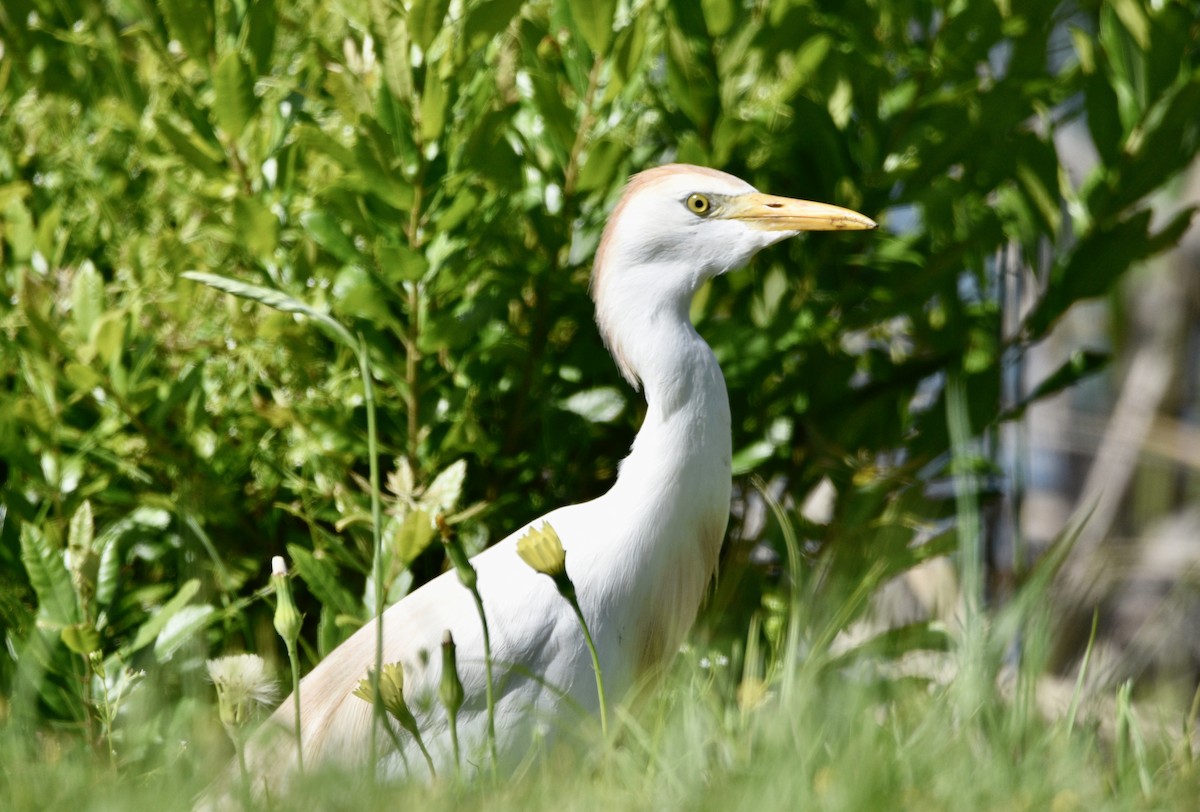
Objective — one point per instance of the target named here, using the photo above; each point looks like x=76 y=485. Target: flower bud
x=451 y=688
x=457 y=555
x=288 y=619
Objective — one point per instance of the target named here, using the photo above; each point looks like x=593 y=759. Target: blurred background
x=999 y=388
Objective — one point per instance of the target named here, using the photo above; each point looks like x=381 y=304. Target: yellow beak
x=772 y=213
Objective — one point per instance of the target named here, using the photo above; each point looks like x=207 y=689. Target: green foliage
x=433 y=177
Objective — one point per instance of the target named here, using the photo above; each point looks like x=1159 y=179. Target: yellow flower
x=391 y=694
x=542 y=549
x=751 y=693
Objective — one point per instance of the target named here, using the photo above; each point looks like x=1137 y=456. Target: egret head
x=679 y=225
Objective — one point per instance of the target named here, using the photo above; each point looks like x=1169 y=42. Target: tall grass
x=757 y=723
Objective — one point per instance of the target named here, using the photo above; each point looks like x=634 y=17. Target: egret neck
x=675 y=227
x=673 y=490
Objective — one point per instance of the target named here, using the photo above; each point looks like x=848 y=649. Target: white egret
x=641 y=556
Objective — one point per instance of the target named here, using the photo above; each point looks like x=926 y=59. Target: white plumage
x=640 y=556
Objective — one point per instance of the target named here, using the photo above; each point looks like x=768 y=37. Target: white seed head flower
x=242 y=684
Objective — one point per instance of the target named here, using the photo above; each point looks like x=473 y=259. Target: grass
x=847 y=739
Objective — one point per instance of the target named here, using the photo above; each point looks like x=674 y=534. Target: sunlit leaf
x=412 y=535
x=87 y=299
x=425 y=20
x=486 y=19
x=443 y=493
x=108 y=574
x=149 y=631
x=321 y=577
x=191 y=23
x=81 y=638
x=235 y=103
x=49 y=578
x=180 y=629
x=595 y=21
x=81 y=530
x=275 y=299
x=601 y=405
x=257 y=226
x=325 y=230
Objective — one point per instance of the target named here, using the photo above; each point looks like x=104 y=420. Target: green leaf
x=1103 y=118
x=182 y=626
x=629 y=49
x=195 y=150
x=235 y=102
x=928 y=635
x=413 y=534
x=82 y=377
x=81 y=638
x=486 y=20
x=107 y=340
x=257 y=227
x=1170 y=234
x=747 y=459
x=191 y=23
x=425 y=19
x=433 y=107
x=1080 y=365
x=261 y=22
x=1098 y=259
x=108 y=575
x=87 y=298
x=691 y=65
x=330 y=633
x=356 y=295
x=559 y=118
x=603 y=404
x=719 y=16
x=49 y=578
x=594 y=19
x=600 y=166
x=275 y=299
x=322 y=579
x=1134 y=19
x=399 y=263
x=443 y=493
x=393 y=36
x=148 y=632
x=1164 y=142
x=81 y=530
x=325 y=230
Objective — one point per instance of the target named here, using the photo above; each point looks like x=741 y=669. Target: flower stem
x=490 y=687
x=425 y=752
x=240 y=747
x=294 y=659
x=587 y=636
x=454 y=740
x=364 y=365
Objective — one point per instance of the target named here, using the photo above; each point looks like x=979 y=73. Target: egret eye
x=698 y=203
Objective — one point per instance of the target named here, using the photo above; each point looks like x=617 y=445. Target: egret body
x=640 y=556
